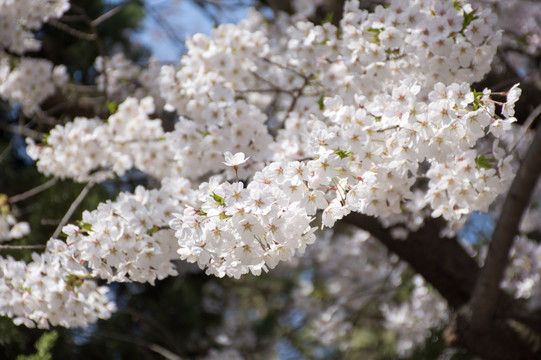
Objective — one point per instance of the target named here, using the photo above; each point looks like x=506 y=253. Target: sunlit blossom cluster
x=128 y=239
x=285 y=129
x=236 y=229
x=53 y=289
x=27 y=81
x=92 y=150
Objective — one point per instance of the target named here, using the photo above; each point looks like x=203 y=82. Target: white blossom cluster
x=121 y=78
x=524 y=23
x=53 y=289
x=213 y=68
x=198 y=146
x=128 y=239
x=367 y=142
x=351 y=270
x=306 y=8
x=30 y=82
x=432 y=39
x=236 y=229
x=19 y=18
x=378 y=118
x=91 y=150
x=411 y=321
x=213 y=117
x=27 y=81
x=10 y=228
x=371 y=155
x=523 y=276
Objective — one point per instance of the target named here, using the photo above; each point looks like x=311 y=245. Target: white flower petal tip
x=235 y=160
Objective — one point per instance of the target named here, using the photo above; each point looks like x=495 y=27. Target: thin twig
x=296 y=95
x=21 y=247
x=25 y=195
x=73 y=32
x=16 y=129
x=99 y=44
x=97 y=21
x=285 y=67
x=72 y=208
x=213 y=17
x=529 y=121
x=169 y=31
x=275 y=90
x=168 y=337
x=6 y=150
x=393 y=127
x=160 y=350
x=484 y=300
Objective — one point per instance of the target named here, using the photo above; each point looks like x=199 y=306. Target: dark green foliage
x=114 y=33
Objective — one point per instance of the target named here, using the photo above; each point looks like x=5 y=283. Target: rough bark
x=485 y=297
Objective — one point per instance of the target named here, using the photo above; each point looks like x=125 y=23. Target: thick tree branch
x=441 y=261
x=485 y=297
x=444 y=263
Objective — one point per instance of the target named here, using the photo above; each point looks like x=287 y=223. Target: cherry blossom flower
x=235 y=160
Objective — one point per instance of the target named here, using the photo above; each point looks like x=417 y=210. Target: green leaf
x=376 y=32
x=343 y=154
x=320 y=102
x=476 y=97
x=468 y=18
x=224 y=216
x=112 y=106
x=152 y=230
x=84 y=225
x=484 y=162
x=218 y=199
x=73 y=281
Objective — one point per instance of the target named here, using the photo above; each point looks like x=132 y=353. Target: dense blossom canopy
x=282 y=129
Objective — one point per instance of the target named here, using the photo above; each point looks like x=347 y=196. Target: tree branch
x=25 y=195
x=485 y=297
x=106 y=16
x=21 y=247
x=73 y=32
x=443 y=262
x=72 y=208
